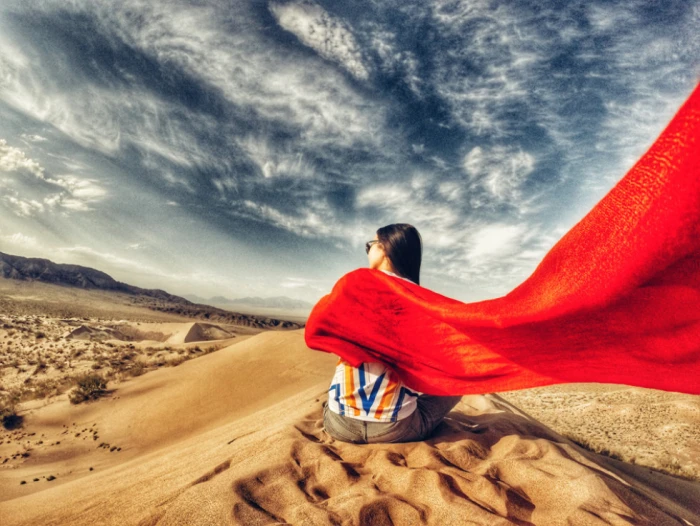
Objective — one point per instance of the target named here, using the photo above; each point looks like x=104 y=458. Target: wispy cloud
x=75 y=193
x=19 y=240
x=491 y=127
x=33 y=137
x=328 y=36
x=499 y=171
x=314 y=221
x=317 y=285
x=99 y=259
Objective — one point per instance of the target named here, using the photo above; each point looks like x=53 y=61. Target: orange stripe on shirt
x=387 y=397
x=350 y=389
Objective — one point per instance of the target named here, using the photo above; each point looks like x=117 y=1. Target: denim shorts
x=418 y=426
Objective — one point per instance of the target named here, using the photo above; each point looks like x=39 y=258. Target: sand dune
x=199 y=332
x=235 y=437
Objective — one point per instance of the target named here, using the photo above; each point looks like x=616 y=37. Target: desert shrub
x=8 y=409
x=137 y=369
x=132 y=334
x=89 y=387
x=46 y=388
x=40 y=334
x=177 y=360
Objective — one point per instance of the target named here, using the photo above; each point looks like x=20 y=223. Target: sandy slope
x=236 y=437
x=650 y=428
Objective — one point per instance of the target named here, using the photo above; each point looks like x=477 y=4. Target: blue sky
x=251 y=148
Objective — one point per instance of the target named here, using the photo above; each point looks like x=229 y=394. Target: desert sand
x=236 y=437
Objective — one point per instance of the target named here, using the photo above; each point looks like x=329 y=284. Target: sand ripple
x=486 y=469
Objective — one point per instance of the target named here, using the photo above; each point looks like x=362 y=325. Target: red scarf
x=616 y=300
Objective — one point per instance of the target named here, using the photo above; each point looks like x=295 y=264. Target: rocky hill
x=76 y=276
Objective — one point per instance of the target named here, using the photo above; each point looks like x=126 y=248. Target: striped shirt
x=370 y=392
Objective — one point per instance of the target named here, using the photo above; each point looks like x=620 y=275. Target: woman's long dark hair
x=404 y=248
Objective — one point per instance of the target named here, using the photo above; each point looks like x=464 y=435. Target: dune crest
x=199 y=332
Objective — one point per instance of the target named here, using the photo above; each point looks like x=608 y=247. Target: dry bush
x=177 y=360
x=134 y=334
x=89 y=387
x=8 y=409
x=137 y=369
x=46 y=388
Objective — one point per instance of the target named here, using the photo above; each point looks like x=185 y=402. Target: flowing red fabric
x=616 y=300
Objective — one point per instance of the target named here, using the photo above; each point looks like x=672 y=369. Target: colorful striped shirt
x=370 y=392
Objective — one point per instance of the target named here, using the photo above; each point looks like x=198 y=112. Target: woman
x=369 y=403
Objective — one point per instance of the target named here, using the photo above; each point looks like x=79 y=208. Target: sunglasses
x=369 y=244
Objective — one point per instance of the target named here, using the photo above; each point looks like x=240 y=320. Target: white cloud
x=410 y=202
x=20 y=240
x=393 y=59
x=495 y=241
x=502 y=48
x=76 y=194
x=294 y=283
x=451 y=190
x=609 y=18
x=499 y=170
x=273 y=162
x=85 y=255
x=14 y=160
x=329 y=37
x=33 y=138
x=308 y=284
x=23 y=207
x=63 y=201
x=315 y=221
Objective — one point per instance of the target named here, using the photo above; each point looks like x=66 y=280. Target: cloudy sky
x=252 y=147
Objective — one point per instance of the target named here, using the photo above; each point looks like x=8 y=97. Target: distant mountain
x=276 y=302
x=46 y=271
